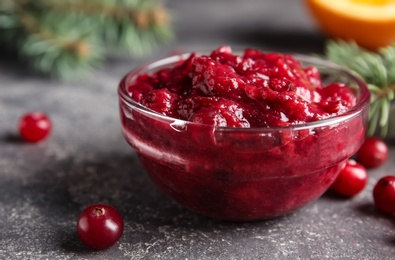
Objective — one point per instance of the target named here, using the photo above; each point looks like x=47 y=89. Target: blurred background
x=273 y=24
x=62 y=39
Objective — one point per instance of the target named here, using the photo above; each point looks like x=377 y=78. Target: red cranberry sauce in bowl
x=243 y=136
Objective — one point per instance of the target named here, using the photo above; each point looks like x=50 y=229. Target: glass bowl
x=244 y=174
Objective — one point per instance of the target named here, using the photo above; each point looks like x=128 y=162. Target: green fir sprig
x=378 y=71
x=69 y=38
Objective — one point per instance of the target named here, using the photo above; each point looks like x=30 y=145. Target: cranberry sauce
x=247 y=169
x=253 y=90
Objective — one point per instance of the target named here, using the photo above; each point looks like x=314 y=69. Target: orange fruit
x=370 y=23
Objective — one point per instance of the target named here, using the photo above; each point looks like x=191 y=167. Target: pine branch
x=71 y=37
x=378 y=70
x=54 y=47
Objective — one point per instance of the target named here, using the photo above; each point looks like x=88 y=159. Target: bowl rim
x=148 y=67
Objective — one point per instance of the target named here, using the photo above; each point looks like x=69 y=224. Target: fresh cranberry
x=351 y=180
x=100 y=226
x=384 y=194
x=34 y=126
x=373 y=153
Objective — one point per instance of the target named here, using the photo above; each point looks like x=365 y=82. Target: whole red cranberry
x=100 y=226
x=351 y=180
x=34 y=126
x=373 y=153
x=384 y=194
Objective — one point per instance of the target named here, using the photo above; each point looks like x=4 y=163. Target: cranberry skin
x=100 y=226
x=384 y=194
x=351 y=180
x=34 y=127
x=373 y=153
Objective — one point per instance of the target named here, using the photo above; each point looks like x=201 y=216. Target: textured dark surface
x=44 y=187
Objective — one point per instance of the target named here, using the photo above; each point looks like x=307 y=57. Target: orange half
x=370 y=23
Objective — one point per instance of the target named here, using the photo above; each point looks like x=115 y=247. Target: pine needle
x=69 y=38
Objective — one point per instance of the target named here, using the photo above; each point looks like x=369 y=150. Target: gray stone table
x=44 y=187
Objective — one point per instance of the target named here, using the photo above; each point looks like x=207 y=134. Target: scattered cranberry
x=34 y=127
x=373 y=153
x=384 y=194
x=352 y=179
x=100 y=226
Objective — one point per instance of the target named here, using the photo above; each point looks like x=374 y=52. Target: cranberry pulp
x=253 y=90
x=243 y=137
